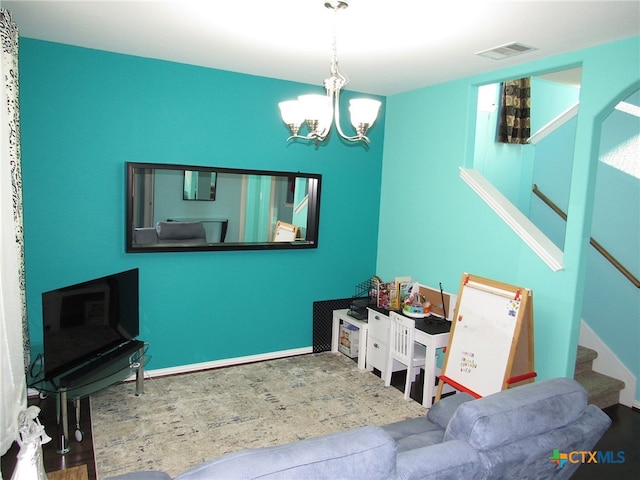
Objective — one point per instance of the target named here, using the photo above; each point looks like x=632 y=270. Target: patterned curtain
x=515 y=111
x=14 y=357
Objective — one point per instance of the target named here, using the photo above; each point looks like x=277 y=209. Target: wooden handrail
x=595 y=244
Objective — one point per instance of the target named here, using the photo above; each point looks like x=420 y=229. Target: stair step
x=584 y=360
x=602 y=390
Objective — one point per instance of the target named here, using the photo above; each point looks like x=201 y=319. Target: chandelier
x=319 y=111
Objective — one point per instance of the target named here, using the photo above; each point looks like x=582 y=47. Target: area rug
x=183 y=420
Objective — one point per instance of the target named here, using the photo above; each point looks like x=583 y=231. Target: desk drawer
x=376 y=353
x=378 y=325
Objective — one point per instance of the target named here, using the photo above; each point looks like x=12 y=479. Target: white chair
x=403 y=349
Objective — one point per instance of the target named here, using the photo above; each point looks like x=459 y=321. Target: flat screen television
x=85 y=321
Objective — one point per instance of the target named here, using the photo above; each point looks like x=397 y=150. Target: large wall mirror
x=525 y=176
x=244 y=209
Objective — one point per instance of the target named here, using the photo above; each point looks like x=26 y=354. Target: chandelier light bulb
x=292 y=114
x=318 y=112
x=363 y=112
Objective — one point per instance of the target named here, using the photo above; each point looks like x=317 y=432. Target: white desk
x=341 y=315
x=367 y=358
x=432 y=342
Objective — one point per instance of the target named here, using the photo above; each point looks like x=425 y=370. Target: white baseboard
x=609 y=364
x=226 y=362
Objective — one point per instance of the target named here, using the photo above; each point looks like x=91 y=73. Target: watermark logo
x=559 y=458
x=583 y=456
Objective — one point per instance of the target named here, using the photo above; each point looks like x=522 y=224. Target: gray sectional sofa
x=507 y=435
x=170 y=232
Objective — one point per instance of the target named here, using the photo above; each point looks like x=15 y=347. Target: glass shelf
x=118 y=372
x=109 y=376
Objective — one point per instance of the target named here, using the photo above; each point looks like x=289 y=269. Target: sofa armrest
x=520 y=412
x=449 y=460
x=442 y=411
x=530 y=457
x=145 y=236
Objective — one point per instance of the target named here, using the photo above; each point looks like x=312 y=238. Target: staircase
x=602 y=390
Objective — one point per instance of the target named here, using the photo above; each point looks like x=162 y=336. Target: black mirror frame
x=313 y=213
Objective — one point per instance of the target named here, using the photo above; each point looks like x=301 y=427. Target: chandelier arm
x=336 y=108
x=310 y=136
x=336 y=113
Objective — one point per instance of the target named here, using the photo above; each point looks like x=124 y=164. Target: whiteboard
x=285 y=232
x=482 y=337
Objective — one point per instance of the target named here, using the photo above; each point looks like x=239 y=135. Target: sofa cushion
x=180 y=231
x=523 y=411
x=367 y=452
x=444 y=461
x=419 y=440
x=442 y=411
x=414 y=433
x=411 y=426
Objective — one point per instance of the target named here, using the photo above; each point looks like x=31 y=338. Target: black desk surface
x=432 y=325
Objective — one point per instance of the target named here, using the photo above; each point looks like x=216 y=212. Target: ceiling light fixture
x=319 y=110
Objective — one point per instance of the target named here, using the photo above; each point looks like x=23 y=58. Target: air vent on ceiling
x=506 y=51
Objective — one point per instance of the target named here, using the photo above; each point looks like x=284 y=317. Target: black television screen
x=83 y=321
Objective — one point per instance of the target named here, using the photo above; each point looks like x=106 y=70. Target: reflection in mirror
x=199 y=185
x=249 y=204
x=546 y=161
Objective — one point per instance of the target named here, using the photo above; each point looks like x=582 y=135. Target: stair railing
x=595 y=244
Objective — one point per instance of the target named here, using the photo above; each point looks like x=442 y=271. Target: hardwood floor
x=622 y=436
x=81 y=452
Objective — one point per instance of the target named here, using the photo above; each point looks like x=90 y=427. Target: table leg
x=140 y=374
x=362 y=348
x=429 y=375
x=224 y=225
x=62 y=417
x=335 y=332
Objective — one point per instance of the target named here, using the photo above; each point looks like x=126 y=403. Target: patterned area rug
x=184 y=419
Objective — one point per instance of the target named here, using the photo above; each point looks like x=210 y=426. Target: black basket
x=367 y=289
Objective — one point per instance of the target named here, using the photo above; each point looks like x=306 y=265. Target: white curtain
x=12 y=297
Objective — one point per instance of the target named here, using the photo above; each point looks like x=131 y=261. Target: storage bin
x=349 y=338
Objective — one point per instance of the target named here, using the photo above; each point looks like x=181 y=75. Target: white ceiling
x=385 y=47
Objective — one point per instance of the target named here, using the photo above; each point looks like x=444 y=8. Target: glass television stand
x=92 y=382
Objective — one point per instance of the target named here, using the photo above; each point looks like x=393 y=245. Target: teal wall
x=552 y=175
x=553 y=157
x=434 y=227
x=550 y=99
x=84 y=113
